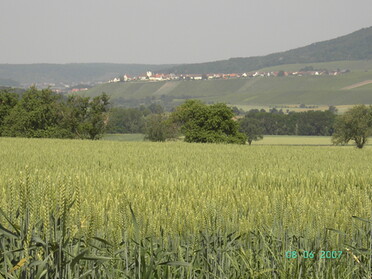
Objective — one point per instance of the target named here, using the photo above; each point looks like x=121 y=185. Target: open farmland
x=178 y=210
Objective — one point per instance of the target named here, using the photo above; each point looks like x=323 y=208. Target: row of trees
x=309 y=123
x=44 y=114
x=196 y=121
x=214 y=124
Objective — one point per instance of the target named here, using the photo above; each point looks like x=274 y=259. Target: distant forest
x=273 y=122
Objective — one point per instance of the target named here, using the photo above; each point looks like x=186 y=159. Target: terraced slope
x=357 y=85
x=316 y=90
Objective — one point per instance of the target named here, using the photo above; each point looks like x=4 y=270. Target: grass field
x=267 y=140
x=295 y=140
x=301 y=140
x=178 y=210
x=124 y=137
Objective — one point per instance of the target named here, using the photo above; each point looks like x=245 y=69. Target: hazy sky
x=169 y=31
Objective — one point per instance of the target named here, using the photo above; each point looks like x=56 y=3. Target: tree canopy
x=251 y=128
x=355 y=124
x=308 y=123
x=43 y=113
x=202 y=123
x=8 y=100
x=159 y=127
x=131 y=120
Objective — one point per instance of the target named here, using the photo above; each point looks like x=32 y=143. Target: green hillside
x=260 y=91
x=355 y=65
x=354 y=46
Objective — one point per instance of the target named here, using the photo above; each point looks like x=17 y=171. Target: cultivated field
x=178 y=210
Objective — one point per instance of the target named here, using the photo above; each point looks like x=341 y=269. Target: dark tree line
x=131 y=120
x=309 y=123
x=45 y=114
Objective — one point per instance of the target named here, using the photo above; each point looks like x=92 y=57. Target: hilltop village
x=166 y=77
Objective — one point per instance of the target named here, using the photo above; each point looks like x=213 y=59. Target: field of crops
x=109 y=209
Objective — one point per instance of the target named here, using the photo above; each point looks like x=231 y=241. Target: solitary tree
x=355 y=124
x=252 y=128
x=202 y=123
x=86 y=118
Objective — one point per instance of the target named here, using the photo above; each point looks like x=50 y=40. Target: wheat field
x=179 y=210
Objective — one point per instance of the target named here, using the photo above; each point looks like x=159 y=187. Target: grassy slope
x=317 y=90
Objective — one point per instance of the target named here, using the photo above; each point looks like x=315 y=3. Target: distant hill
x=352 y=52
x=7 y=82
x=355 y=46
x=13 y=74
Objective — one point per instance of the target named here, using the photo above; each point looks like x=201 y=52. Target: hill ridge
x=354 y=46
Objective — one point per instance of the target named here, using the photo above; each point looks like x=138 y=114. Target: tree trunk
x=360 y=142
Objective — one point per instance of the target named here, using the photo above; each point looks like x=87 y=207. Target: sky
x=168 y=31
